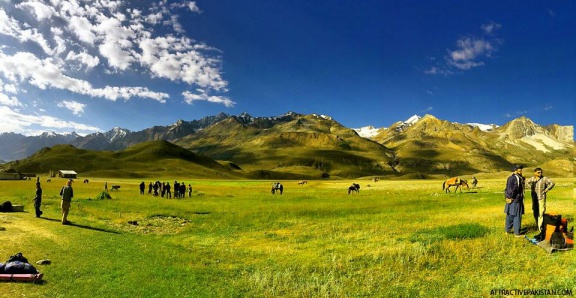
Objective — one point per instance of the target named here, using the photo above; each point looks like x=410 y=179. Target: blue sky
x=89 y=66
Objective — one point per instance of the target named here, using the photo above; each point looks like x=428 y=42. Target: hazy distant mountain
x=134 y=162
x=16 y=146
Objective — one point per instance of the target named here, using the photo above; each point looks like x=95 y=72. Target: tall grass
x=235 y=239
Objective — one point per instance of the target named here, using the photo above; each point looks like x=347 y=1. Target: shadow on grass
x=455 y=232
x=83 y=226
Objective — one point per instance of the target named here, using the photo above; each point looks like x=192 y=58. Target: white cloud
x=11 y=27
x=123 y=39
x=40 y=10
x=490 y=27
x=26 y=68
x=73 y=45
x=193 y=7
x=10 y=101
x=13 y=121
x=83 y=58
x=190 y=98
x=74 y=106
x=470 y=52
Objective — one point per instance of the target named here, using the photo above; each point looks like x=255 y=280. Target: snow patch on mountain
x=484 y=127
x=367 y=131
x=543 y=142
x=412 y=120
x=322 y=116
x=116 y=133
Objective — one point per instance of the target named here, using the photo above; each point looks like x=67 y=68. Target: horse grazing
x=302 y=182
x=354 y=188
x=277 y=188
x=454 y=181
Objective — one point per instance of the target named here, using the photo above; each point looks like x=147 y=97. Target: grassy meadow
x=232 y=238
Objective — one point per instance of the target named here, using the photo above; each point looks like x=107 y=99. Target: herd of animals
x=278 y=188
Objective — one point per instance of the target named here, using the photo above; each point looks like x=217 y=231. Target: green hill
x=148 y=159
x=302 y=146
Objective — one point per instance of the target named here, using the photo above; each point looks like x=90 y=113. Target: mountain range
x=311 y=146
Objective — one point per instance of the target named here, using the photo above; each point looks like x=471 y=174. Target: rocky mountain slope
x=308 y=146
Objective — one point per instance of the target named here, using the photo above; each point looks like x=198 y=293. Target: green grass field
x=234 y=239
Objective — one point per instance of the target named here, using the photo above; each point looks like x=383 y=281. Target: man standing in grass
x=540 y=185
x=38 y=200
x=514 y=201
x=67 y=193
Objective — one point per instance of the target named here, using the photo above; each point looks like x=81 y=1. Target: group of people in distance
x=165 y=189
x=67 y=193
x=539 y=185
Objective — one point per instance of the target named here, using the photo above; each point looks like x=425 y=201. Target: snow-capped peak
x=412 y=120
x=325 y=117
x=367 y=131
x=116 y=133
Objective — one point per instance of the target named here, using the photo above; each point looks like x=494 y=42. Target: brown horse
x=454 y=181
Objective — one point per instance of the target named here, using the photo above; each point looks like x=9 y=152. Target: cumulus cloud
x=193 y=7
x=470 y=52
x=74 y=106
x=83 y=59
x=24 y=67
x=107 y=37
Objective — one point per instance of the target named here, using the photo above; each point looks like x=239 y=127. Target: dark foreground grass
x=235 y=239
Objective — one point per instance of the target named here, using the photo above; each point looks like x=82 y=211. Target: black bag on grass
x=557 y=240
x=548 y=222
x=17 y=257
x=17 y=267
x=6 y=207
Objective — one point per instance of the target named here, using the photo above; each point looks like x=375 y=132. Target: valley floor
x=234 y=238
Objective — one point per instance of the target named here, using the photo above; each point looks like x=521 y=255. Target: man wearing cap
x=514 y=201
x=540 y=185
x=67 y=193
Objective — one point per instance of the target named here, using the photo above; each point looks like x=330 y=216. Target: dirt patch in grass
x=155 y=225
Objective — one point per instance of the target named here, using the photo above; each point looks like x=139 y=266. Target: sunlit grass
x=234 y=238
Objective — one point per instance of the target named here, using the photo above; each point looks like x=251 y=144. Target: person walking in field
x=540 y=185
x=38 y=200
x=67 y=193
x=514 y=201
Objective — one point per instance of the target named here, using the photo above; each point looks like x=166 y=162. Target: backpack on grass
x=554 y=229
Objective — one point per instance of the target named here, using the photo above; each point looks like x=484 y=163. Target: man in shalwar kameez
x=514 y=201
